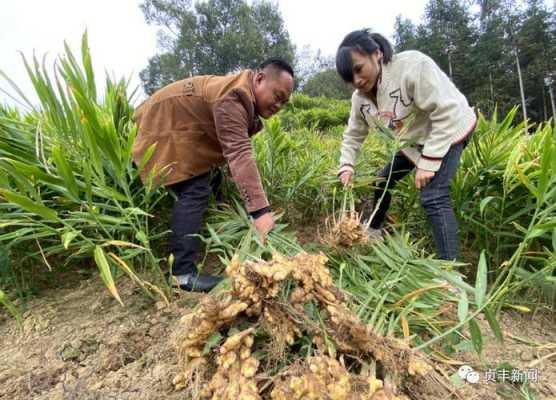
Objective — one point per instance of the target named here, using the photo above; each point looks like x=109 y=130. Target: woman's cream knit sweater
x=419 y=104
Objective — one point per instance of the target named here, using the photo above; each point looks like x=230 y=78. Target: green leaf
x=105 y=274
x=548 y=225
x=476 y=336
x=17 y=89
x=137 y=211
x=146 y=156
x=23 y=182
x=527 y=183
x=111 y=193
x=464 y=345
x=547 y=156
x=142 y=237
x=463 y=306
x=31 y=171
x=16 y=234
x=456 y=380
x=484 y=203
x=29 y=205
x=66 y=173
x=88 y=65
x=535 y=233
x=493 y=322
x=67 y=237
x=12 y=309
x=211 y=342
x=481 y=281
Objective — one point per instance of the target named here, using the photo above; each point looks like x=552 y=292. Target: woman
x=411 y=95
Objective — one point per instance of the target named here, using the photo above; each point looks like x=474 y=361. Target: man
x=197 y=125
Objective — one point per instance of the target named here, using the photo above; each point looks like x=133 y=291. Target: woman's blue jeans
x=435 y=199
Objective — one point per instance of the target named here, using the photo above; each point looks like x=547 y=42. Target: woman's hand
x=422 y=178
x=345 y=177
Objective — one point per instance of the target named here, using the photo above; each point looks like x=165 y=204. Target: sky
x=121 y=42
x=323 y=24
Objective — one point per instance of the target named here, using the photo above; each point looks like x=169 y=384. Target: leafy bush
x=316 y=113
x=505 y=195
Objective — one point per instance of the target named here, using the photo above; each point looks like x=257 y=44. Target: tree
x=212 y=37
x=405 y=34
x=447 y=35
x=536 y=43
x=493 y=56
x=496 y=55
x=517 y=47
x=329 y=84
x=309 y=62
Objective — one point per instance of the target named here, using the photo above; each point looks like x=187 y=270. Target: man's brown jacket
x=198 y=124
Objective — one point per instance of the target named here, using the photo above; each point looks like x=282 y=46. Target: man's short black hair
x=277 y=63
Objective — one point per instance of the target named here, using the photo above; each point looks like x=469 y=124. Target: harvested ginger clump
x=218 y=342
x=346 y=232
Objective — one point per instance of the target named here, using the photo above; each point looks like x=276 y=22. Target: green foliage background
x=213 y=37
x=482 y=47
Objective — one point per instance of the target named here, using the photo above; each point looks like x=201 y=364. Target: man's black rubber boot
x=198 y=282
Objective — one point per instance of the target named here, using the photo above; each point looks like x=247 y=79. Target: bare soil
x=79 y=343
x=529 y=345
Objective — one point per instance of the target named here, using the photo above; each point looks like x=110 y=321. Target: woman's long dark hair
x=365 y=42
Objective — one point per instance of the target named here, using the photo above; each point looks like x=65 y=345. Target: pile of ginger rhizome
x=284 y=331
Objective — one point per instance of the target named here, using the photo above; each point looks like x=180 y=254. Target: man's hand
x=422 y=178
x=264 y=224
x=345 y=177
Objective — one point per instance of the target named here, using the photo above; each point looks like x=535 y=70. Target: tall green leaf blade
x=463 y=306
x=547 y=156
x=17 y=90
x=66 y=172
x=476 y=336
x=493 y=322
x=528 y=184
x=105 y=273
x=29 y=205
x=481 y=281
x=88 y=66
x=30 y=171
x=484 y=203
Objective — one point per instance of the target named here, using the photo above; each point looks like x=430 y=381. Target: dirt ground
x=529 y=347
x=79 y=343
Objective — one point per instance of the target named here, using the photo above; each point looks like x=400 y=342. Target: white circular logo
x=464 y=370
x=473 y=377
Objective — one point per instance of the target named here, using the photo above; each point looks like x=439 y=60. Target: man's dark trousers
x=187 y=217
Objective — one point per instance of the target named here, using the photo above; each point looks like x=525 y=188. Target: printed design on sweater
x=397 y=94
x=389 y=117
x=394 y=122
x=365 y=110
